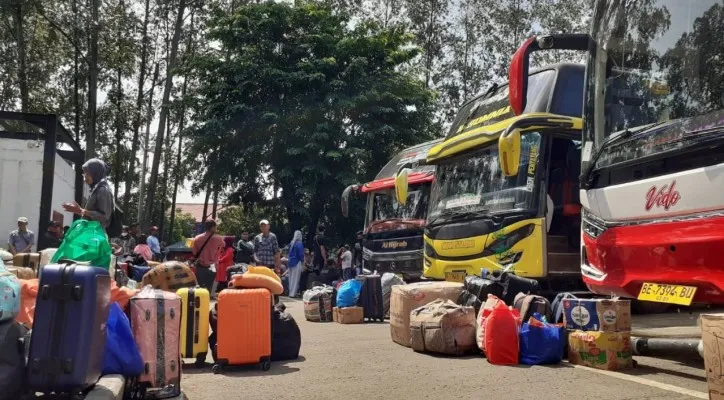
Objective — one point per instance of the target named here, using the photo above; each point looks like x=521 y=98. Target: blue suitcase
x=69 y=331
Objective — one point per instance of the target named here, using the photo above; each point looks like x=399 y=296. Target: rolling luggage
x=69 y=328
x=370 y=298
x=244 y=328
x=156 y=324
x=12 y=360
x=194 y=324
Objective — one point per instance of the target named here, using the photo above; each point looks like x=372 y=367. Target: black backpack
x=116 y=224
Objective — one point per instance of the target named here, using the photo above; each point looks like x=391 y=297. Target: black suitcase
x=12 y=360
x=370 y=297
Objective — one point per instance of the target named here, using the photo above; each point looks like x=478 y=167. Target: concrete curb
x=109 y=387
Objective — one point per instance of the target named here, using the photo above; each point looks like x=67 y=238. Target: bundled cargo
x=443 y=327
x=476 y=291
x=405 y=298
x=9 y=294
x=169 y=276
x=27 y=260
x=602 y=350
x=318 y=304
x=286 y=337
x=541 y=342
x=348 y=315
x=712 y=338
x=606 y=315
x=22 y=272
x=489 y=305
x=501 y=334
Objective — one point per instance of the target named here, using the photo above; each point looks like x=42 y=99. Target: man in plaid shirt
x=266 y=248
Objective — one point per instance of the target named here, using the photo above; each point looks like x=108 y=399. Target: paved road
x=361 y=362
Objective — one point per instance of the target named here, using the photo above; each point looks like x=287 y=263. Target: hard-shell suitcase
x=370 y=298
x=244 y=328
x=69 y=328
x=12 y=360
x=194 y=324
x=156 y=324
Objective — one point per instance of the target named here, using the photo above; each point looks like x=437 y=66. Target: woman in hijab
x=100 y=201
x=296 y=258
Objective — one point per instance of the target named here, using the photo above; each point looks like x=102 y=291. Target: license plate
x=455 y=276
x=673 y=294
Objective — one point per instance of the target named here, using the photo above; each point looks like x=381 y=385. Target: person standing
x=357 y=254
x=206 y=253
x=346 y=257
x=296 y=259
x=22 y=239
x=100 y=204
x=52 y=235
x=153 y=243
x=266 y=248
x=320 y=251
x=244 y=250
x=133 y=236
x=226 y=259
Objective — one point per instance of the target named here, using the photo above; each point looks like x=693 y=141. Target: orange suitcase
x=244 y=328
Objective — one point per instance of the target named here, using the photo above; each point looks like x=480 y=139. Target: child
x=142 y=248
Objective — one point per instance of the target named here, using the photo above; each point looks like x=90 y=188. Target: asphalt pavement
x=361 y=362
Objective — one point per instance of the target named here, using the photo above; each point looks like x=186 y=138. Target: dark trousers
x=348 y=273
x=205 y=277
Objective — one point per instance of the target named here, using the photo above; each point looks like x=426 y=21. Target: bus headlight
x=507 y=241
x=429 y=250
x=591 y=228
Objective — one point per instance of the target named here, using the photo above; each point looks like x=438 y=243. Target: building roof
x=196 y=209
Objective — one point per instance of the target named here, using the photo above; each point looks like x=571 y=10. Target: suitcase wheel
x=216 y=369
x=265 y=365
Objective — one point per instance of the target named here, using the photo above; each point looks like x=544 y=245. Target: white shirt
x=347 y=259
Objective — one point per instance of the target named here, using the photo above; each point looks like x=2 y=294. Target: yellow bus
x=522 y=213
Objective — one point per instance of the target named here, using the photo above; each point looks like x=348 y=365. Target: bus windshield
x=386 y=207
x=475 y=182
x=656 y=75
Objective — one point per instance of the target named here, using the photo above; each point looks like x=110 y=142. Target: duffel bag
x=442 y=327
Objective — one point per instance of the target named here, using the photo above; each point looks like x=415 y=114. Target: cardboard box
x=405 y=298
x=348 y=315
x=712 y=336
x=606 y=315
x=601 y=350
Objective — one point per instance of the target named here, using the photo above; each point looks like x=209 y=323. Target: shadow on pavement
x=277 y=368
x=643 y=370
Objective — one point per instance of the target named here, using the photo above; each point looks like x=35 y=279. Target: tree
x=305 y=104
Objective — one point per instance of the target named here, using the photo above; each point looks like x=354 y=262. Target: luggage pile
x=599 y=332
x=352 y=302
x=61 y=332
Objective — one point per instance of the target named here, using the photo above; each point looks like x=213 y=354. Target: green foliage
x=183 y=226
x=234 y=220
x=297 y=91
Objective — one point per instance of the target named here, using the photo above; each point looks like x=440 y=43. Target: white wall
x=63 y=188
x=21 y=179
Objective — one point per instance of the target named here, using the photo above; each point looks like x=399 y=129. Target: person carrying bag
x=205 y=255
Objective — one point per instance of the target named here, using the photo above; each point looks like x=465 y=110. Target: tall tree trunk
x=164 y=188
x=204 y=214
x=92 y=82
x=139 y=108
x=119 y=135
x=22 y=66
x=216 y=202
x=170 y=67
x=76 y=73
x=146 y=138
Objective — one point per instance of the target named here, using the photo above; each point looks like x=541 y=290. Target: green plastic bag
x=86 y=241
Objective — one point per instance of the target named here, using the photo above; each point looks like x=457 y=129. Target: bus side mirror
x=401 y=185
x=345 y=199
x=509 y=152
x=518 y=72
